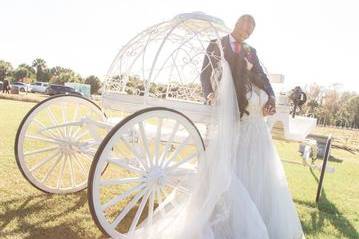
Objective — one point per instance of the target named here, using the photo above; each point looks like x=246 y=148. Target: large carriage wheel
x=152 y=156
x=54 y=145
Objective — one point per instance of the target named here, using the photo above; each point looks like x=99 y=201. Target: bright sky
x=307 y=41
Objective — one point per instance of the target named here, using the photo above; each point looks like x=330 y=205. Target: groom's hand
x=269 y=107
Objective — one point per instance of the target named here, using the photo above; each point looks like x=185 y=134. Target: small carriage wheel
x=52 y=155
x=152 y=155
x=324 y=166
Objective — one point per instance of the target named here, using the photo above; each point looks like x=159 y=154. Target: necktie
x=237 y=47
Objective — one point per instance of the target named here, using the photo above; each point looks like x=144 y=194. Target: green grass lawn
x=28 y=213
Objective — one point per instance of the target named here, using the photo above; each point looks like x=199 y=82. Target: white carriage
x=138 y=152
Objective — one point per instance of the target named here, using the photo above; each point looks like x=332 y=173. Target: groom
x=235 y=47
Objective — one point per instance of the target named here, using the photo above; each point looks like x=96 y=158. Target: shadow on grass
x=28 y=214
x=326 y=213
x=346 y=148
x=334 y=159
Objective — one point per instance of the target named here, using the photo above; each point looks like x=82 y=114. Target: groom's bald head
x=244 y=27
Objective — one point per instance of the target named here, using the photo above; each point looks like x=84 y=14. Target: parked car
x=22 y=87
x=39 y=87
x=53 y=89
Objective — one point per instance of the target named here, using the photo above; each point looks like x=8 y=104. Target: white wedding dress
x=241 y=191
x=260 y=170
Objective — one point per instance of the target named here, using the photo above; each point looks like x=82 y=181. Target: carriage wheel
x=152 y=156
x=54 y=148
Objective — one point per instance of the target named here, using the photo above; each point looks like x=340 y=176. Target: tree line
x=328 y=105
x=39 y=71
x=332 y=107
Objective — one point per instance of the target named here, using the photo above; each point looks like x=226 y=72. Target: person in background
x=5 y=86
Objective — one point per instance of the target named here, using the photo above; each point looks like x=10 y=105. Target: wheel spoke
x=39 y=124
x=138 y=213
x=158 y=141
x=161 y=204
x=74 y=117
x=76 y=112
x=43 y=150
x=168 y=143
x=54 y=121
x=75 y=134
x=78 y=162
x=122 y=196
x=171 y=196
x=183 y=161
x=123 y=164
x=71 y=173
x=56 y=162
x=117 y=181
x=150 y=210
x=129 y=206
x=42 y=162
x=138 y=157
x=61 y=174
x=43 y=129
x=77 y=138
x=178 y=150
x=64 y=119
x=41 y=139
x=87 y=155
x=145 y=143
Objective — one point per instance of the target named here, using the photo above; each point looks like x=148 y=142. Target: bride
x=241 y=191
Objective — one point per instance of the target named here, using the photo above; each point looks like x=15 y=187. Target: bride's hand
x=249 y=65
x=269 y=107
x=210 y=98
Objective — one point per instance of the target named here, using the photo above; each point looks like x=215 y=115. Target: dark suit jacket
x=256 y=75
